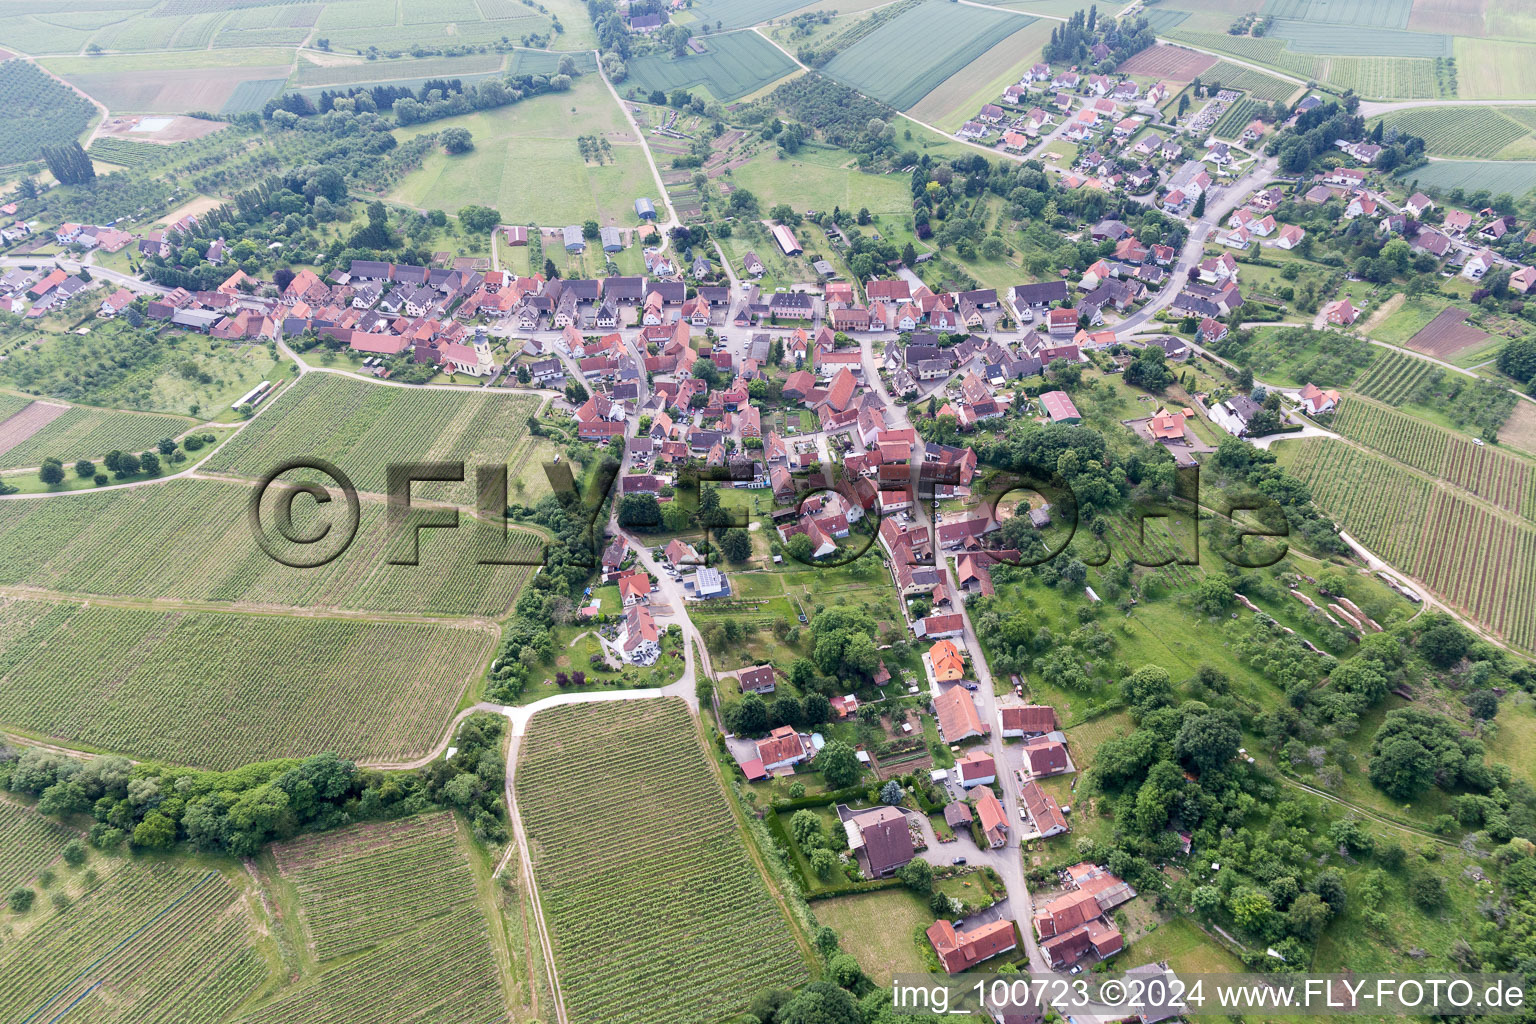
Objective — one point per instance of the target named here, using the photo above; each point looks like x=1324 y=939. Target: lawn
x=952 y=37
x=1408 y=319
x=527 y=164
x=820 y=177
x=732 y=66
x=1186 y=949
x=879 y=928
x=641 y=863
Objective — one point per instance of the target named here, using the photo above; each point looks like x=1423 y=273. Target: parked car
x=958 y=861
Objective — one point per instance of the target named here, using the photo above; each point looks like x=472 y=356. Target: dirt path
x=1385 y=310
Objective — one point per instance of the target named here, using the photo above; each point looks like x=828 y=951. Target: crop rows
x=219 y=690
x=151 y=943
x=1459 y=131
x=443 y=973
x=1256 y=84
x=29 y=842
x=1505 y=480
x=364 y=428
x=1474 y=559
x=655 y=910
x=1393 y=376
x=91 y=433
x=191 y=540
x=1236 y=118
x=35 y=110
x=362 y=885
x=1126 y=540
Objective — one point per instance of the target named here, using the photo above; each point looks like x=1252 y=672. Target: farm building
x=645 y=209
x=612 y=240
x=516 y=234
x=1059 y=407
x=571 y=235
x=787 y=241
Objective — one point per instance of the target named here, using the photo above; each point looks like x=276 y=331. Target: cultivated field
x=1255 y=83
x=372 y=71
x=655 y=909
x=364 y=428
x=1393 y=376
x=1376 y=76
x=1504 y=480
x=732 y=66
x=728 y=14
x=1460 y=131
x=47 y=430
x=1476 y=560
x=1488 y=69
x=29 y=842
x=1168 y=63
x=1519 y=431
x=956 y=100
x=1237 y=117
x=444 y=973
x=1516 y=177
x=1453 y=17
x=151 y=944
x=1447 y=335
x=362 y=885
x=218 y=690
x=951 y=35
x=178 y=90
x=1321 y=38
x=1377 y=14
x=36 y=111
x=191 y=540
x=527 y=162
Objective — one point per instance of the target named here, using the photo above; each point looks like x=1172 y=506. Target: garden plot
x=1447 y=335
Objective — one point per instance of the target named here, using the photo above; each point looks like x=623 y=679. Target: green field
x=1504 y=480
x=1460 y=131
x=360 y=886
x=379 y=71
x=1488 y=69
x=445 y=972
x=191 y=540
x=951 y=36
x=732 y=66
x=364 y=428
x=31 y=842
x=640 y=892
x=91 y=433
x=728 y=14
x=1393 y=376
x=1383 y=77
x=1516 y=177
x=1375 y=14
x=956 y=100
x=1256 y=84
x=1322 y=38
x=143 y=369
x=150 y=943
x=527 y=163
x=36 y=111
x=219 y=690
x=1477 y=561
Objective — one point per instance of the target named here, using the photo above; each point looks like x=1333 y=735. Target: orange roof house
x=948 y=665
x=957 y=715
x=961 y=950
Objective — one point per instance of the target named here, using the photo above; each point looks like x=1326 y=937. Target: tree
x=838 y=765
x=457 y=140
x=51 y=472
x=917 y=875
x=891 y=793
x=21 y=899
x=1250 y=908
x=1403 y=768
x=823 y=862
x=820 y=1002
x=1427 y=891
x=74 y=853
x=1199 y=210
x=1307 y=917
x=150 y=462
x=736 y=545
x=1147 y=689
x=641 y=511
x=1208 y=739
x=752 y=715
x=1483 y=704
x=155 y=832
x=85 y=469
x=127 y=465
x=479 y=220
